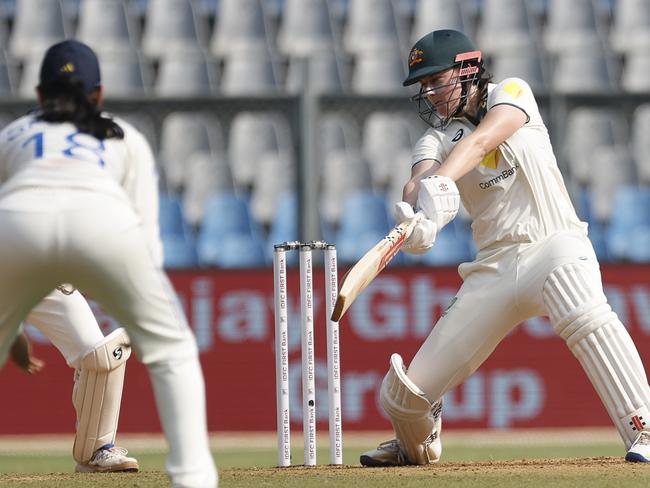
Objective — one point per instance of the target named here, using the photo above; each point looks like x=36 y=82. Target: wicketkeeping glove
x=438 y=199
x=424 y=232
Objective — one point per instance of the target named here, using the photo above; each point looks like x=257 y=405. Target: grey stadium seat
x=172 y=25
x=338 y=131
x=438 y=14
x=324 y=72
x=371 y=25
x=342 y=173
x=636 y=70
x=640 y=142
x=630 y=32
x=182 y=134
x=250 y=72
x=107 y=23
x=186 y=74
x=588 y=128
x=37 y=24
x=306 y=28
x=506 y=26
x=527 y=64
x=582 y=71
x=378 y=71
x=275 y=175
x=386 y=135
x=124 y=73
x=252 y=135
x=207 y=172
x=604 y=189
x=240 y=24
x=572 y=25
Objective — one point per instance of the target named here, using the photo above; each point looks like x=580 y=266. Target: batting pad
x=581 y=315
x=97 y=394
x=416 y=421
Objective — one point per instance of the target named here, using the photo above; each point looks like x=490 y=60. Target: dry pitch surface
x=524 y=459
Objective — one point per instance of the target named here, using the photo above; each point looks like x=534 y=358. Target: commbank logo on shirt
x=506 y=173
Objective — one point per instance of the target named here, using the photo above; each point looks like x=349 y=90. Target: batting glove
x=438 y=199
x=424 y=232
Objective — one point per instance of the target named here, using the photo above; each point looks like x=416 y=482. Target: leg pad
x=97 y=394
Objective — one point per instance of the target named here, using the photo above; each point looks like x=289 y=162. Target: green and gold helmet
x=440 y=51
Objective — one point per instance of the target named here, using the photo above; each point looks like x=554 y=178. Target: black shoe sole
x=373 y=463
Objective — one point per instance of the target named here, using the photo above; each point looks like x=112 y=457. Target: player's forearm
x=420 y=170
x=465 y=156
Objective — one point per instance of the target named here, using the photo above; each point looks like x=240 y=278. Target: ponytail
x=64 y=100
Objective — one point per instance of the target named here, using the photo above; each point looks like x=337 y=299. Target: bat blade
x=370 y=265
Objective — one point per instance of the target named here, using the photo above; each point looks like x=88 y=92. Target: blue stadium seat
x=631 y=214
x=639 y=249
x=364 y=222
x=231 y=251
x=364 y=211
x=179 y=247
x=179 y=252
x=170 y=216
x=226 y=213
x=351 y=247
x=228 y=237
x=285 y=225
x=451 y=248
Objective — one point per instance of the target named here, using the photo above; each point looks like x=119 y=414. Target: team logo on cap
x=67 y=68
x=415 y=56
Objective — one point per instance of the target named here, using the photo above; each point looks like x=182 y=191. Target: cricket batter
x=488 y=146
x=78 y=205
x=65 y=318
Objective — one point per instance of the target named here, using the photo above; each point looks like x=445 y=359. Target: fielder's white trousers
x=95 y=242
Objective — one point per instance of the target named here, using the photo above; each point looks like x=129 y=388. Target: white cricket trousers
x=558 y=277
x=95 y=242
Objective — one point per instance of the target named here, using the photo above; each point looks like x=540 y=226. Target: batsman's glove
x=424 y=232
x=438 y=199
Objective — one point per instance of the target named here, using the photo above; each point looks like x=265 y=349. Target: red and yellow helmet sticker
x=415 y=56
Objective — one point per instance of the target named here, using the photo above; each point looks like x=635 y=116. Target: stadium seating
x=385 y=136
x=631 y=219
x=36 y=25
x=630 y=31
x=241 y=26
x=208 y=172
x=186 y=74
x=179 y=247
x=512 y=21
x=105 y=23
x=172 y=25
x=244 y=57
x=182 y=134
x=438 y=14
x=228 y=236
x=306 y=28
x=343 y=173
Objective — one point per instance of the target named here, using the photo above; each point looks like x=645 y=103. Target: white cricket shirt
x=40 y=155
x=516 y=194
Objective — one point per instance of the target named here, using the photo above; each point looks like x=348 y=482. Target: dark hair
x=64 y=100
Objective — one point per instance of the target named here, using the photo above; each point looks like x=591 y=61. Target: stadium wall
x=531 y=380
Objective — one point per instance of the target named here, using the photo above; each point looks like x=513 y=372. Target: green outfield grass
x=560 y=462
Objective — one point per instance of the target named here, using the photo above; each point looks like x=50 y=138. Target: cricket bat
x=370 y=265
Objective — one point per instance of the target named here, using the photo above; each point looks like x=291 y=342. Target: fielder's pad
x=97 y=394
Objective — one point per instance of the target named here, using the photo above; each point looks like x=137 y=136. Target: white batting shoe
x=111 y=459
x=639 y=452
